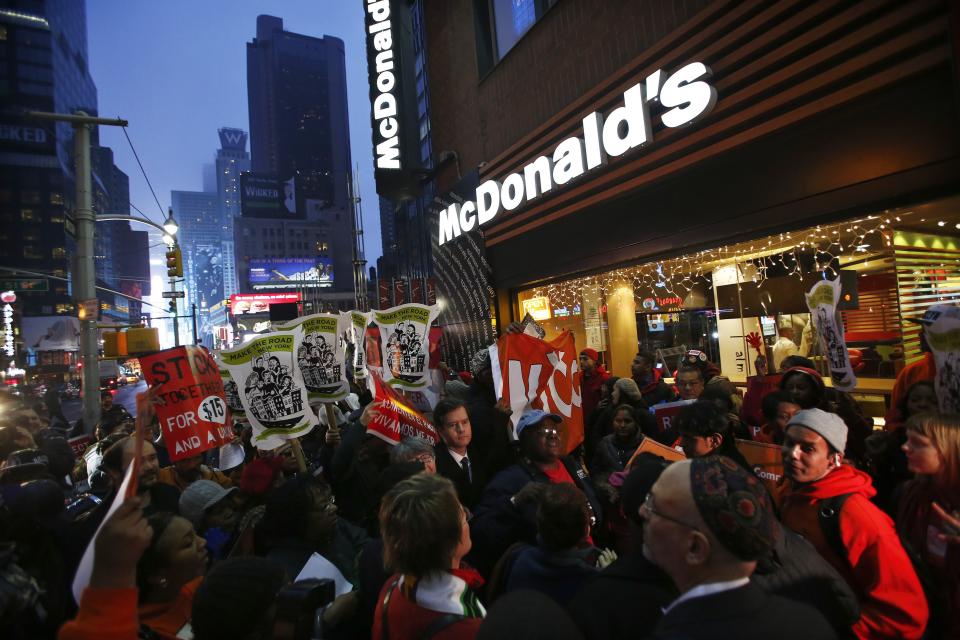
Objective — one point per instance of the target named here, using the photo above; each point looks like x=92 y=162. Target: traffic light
x=173 y=307
x=174 y=262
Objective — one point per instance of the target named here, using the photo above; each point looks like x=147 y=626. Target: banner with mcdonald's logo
x=530 y=373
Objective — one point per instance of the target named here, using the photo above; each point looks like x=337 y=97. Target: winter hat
x=22 y=465
x=535 y=416
x=628 y=388
x=735 y=505
x=231 y=456
x=455 y=389
x=258 y=476
x=234 y=597
x=813 y=374
x=199 y=497
x=592 y=354
x=830 y=426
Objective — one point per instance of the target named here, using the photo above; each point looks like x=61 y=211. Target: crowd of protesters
x=488 y=536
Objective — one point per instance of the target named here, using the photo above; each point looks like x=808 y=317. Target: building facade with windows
x=641 y=220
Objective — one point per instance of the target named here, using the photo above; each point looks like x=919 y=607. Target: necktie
x=465 y=463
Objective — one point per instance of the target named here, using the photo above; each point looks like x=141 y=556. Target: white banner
x=355 y=325
x=271 y=388
x=942 y=330
x=320 y=356
x=822 y=302
x=405 y=344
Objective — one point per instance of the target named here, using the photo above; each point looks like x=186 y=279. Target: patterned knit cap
x=735 y=505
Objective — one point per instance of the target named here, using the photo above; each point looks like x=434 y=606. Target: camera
x=300 y=608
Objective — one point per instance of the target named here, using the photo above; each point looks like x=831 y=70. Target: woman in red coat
x=927 y=516
x=425 y=536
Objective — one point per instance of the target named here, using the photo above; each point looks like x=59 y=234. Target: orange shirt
x=168 y=618
x=105 y=614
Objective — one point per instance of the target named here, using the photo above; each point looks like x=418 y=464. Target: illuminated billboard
x=243 y=303
x=290 y=273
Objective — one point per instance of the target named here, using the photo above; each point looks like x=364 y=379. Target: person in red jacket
x=828 y=503
x=425 y=536
x=590 y=382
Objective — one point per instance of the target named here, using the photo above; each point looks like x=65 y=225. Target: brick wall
x=576 y=45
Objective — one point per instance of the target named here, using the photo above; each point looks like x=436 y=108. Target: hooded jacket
x=875 y=565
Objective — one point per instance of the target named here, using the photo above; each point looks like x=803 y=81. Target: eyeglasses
x=543 y=432
x=649 y=506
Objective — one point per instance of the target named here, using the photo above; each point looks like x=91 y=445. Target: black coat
x=625 y=600
x=497 y=522
x=468 y=490
x=745 y=613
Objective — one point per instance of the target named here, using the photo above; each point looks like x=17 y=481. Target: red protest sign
x=665 y=413
x=190 y=400
x=79 y=445
x=766 y=460
x=394 y=418
x=530 y=373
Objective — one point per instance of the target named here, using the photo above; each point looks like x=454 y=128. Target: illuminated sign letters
x=386 y=128
x=685 y=95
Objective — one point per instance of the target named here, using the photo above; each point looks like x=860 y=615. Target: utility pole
x=193 y=315
x=84 y=276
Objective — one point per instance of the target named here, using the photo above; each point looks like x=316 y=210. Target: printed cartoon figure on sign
x=404 y=339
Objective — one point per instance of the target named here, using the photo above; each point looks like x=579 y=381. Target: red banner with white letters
x=394 y=417
x=530 y=373
x=190 y=403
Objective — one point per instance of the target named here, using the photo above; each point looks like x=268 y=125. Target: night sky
x=177 y=71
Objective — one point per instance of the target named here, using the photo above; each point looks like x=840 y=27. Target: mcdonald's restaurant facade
x=664 y=175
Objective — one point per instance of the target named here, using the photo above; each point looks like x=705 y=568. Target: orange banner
x=652 y=446
x=765 y=460
x=537 y=374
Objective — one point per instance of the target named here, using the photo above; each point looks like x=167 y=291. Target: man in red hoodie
x=590 y=382
x=829 y=504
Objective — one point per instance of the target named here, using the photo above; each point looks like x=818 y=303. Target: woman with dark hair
x=169 y=573
x=805 y=386
x=927 y=514
x=593 y=429
x=425 y=537
x=614 y=451
x=704 y=431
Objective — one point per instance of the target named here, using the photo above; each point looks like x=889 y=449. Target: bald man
x=705 y=523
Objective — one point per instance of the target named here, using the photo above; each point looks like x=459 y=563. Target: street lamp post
x=84 y=277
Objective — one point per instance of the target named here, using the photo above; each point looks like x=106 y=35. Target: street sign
x=19 y=285
x=173 y=294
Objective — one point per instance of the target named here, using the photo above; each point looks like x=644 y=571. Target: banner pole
x=298 y=454
x=331 y=416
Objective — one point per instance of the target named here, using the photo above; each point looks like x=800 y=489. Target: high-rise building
x=297 y=91
x=300 y=138
x=43 y=57
x=201 y=235
x=231 y=161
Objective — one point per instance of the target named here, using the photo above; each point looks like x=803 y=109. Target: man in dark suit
x=455 y=459
x=706 y=522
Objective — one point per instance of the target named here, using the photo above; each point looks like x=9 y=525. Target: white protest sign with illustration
x=355 y=328
x=405 y=344
x=271 y=388
x=320 y=356
x=941 y=327
x=230 y=392
x=822 y=302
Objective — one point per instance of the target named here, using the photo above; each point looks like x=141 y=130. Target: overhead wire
x=144 y=172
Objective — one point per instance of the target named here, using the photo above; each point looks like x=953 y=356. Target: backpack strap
x=829 y=517
x=384 y=619
x=439 y=624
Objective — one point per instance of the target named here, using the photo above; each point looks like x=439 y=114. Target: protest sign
x=190 y=401
x=665 y=413
x=230 y=392
x=320 y=357
x=757 y=389
x=79 y=444
x=272 y=392
x=942 y=331
x=822 y=302
x=766 y=460
x=405 y=344
x=530 y=373
x=648 y=445
x=394 y=418
x=355 y=325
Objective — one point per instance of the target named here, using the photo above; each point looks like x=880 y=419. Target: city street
x=127 y=396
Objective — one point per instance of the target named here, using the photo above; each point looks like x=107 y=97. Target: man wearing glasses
x=508 y=507
x=706 y=522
